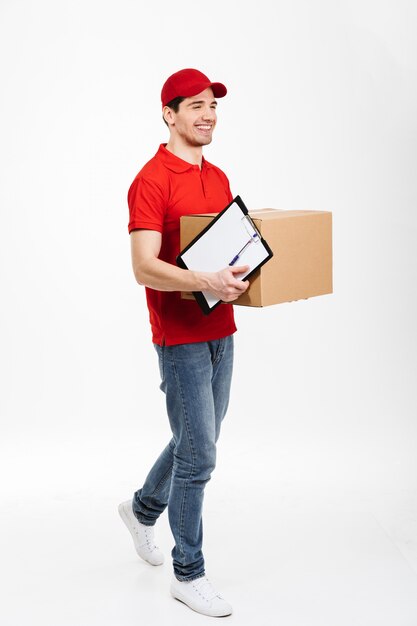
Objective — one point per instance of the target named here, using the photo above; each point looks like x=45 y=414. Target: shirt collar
x=174 y=163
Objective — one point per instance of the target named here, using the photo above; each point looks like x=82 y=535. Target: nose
x=209 y=114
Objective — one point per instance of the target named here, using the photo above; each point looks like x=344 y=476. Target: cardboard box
x=302 y=263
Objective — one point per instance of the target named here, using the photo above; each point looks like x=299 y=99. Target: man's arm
x=157 y=274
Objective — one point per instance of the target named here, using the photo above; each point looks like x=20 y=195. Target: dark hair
x=174 y=105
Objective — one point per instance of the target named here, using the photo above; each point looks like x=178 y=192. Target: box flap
x=273 y=214
x=260 y=214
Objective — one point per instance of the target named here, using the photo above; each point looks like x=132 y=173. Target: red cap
x=187 y=83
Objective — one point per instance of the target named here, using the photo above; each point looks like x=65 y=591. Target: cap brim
x=219 y=90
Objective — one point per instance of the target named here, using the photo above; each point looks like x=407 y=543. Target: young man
x=195 y=351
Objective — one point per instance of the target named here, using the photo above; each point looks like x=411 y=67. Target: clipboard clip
x=254 y=237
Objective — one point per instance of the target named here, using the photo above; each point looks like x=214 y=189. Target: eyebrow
x=200 y=102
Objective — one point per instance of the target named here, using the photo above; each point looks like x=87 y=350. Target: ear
x=169 y=115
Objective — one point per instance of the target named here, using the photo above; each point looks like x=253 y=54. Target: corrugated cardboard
x=302 y=263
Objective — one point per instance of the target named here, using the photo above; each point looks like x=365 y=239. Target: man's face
x=196 y=118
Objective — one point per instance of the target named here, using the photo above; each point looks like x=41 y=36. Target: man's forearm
x=163 y=276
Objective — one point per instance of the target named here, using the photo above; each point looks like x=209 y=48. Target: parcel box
x=302 y=263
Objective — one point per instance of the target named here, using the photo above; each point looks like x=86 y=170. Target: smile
x=204 y=127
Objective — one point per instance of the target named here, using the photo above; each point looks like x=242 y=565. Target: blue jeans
x=196 y=379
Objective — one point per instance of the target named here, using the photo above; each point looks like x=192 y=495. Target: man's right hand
x=225 y=285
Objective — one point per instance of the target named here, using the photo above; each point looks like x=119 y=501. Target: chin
x=205 y=140
x=201 y=142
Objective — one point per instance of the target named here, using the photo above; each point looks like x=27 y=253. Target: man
x=195 y=351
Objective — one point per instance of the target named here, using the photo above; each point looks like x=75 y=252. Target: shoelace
x=149 y=538
x=205 y=588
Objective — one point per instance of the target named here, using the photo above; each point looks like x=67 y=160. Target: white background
x=320 y=114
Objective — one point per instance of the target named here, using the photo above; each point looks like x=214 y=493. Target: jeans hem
x=144 y=523
x=184 y=579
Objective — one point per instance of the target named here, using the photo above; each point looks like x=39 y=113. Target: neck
x=191 y=154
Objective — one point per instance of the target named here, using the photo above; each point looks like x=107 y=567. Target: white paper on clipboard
x=217 y=248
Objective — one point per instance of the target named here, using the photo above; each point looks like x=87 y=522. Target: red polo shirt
x=164 y=189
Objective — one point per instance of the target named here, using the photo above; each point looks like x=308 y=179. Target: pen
x=235 y=258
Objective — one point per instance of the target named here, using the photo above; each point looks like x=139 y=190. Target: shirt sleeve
x=147 y=205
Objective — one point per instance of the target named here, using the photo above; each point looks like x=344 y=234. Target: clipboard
x=231 y=238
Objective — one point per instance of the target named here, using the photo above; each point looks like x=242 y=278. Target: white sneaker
x=200 y=596
x=143 y=536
